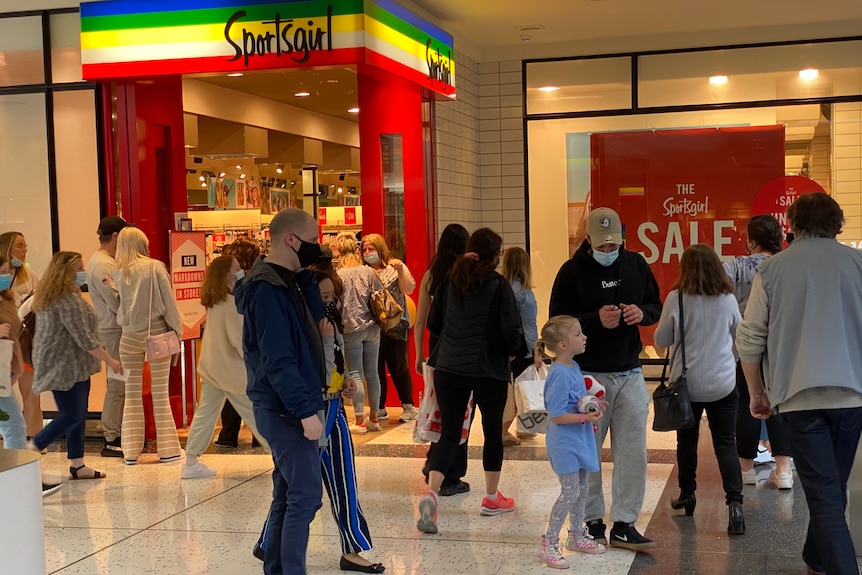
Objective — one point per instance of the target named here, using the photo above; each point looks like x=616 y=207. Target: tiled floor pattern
x=144 y=519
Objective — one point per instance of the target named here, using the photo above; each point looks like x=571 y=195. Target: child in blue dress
x=570 y=440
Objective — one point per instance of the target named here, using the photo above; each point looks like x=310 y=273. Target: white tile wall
x=480 y=151
x=847 y=166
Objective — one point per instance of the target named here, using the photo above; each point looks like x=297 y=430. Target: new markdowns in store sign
x=134 y=38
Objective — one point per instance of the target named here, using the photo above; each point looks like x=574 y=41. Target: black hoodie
x=583 y=286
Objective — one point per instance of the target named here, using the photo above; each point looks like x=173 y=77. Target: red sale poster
x=675 y=188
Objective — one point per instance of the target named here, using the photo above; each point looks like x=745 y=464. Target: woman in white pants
x=222 y=367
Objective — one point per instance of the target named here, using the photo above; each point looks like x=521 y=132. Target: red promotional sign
x=349 y=216
x=777 y=195
x=321 y=216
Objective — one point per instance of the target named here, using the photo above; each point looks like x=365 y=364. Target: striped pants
x=339 y=477
x=133 y=349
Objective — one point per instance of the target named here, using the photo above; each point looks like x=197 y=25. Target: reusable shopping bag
x=427 y=426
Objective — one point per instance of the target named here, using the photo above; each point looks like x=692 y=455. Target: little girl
x=570 y=442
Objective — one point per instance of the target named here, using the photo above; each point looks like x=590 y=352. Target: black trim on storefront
x=26 y=13
x=526 y=159
x=635 y=95
x=100 y=152
x=49 y=135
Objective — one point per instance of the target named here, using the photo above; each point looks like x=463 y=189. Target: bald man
x=286 y=376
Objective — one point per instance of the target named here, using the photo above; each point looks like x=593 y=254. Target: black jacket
x=583 y=286
x=477 y=333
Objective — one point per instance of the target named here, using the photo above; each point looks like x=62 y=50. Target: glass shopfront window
x=21 y=59
x=579 y=85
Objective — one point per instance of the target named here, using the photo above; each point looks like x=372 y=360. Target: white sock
x=492 y=495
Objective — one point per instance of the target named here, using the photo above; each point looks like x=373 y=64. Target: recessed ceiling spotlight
x=202 y=178
x=235 y=75
x=302 y=94
x=203 y=184
x=549 y=88
x=222 y=174
x=332 y=81
x=809 y=73
x=242 y=176
x=353 y=110
x=238 y=167
x=279 y=168
x=717 y=80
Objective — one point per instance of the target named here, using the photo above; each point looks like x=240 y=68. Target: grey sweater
x=65 y=335
x=804 y=319
x=710 y=326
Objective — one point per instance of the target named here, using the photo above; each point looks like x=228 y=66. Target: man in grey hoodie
x=802 y=327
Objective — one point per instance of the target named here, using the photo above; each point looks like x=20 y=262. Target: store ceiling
x=332 y=90
x=490 y=23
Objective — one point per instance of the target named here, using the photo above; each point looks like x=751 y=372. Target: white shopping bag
x=530 y=389
x=427 y=426
x=7 y=350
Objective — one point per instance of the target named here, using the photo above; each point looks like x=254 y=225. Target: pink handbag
x=165 y=344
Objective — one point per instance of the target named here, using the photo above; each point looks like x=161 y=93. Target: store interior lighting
x=549 y=88
x=353 y=110
x=717 y=80
x=235 y=75
x=279 y=168
x=809 y=74
x=302 y=94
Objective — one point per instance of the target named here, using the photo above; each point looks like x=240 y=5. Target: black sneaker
x=626 y=536
x=448 y=489
x=112 y=448
x=596 y=528
x=230 y=444
x=50 y=488
x=257 y=551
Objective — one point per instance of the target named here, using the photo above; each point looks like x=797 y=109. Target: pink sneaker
x=497 y=506
x=581 y=541
x=551 y=555
x=427 y=513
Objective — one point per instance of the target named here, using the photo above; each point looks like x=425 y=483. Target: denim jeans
x=721 y=415
x=13 y=430
x=361 y=349
x=72 y=405
x=749 y=430
x=297 y=492
x=824 y=447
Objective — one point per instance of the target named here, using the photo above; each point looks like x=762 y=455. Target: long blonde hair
x=21 y=274
x=132 y=245
x=516 y=266
x=59 y=279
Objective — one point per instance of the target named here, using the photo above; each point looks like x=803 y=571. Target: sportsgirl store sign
x=675 y=188
x=130 y=38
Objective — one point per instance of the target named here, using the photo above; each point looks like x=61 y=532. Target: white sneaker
x=408 y=415
x=782 y=480
x=749 y=477
x=198 y=471
x=372 y=425
x=763 y=455
x=383 y=414
x=357 y=429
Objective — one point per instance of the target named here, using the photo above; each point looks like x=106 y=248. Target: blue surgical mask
x=80 y=279
x=372 y=258
x=240 y=274
x=606 y=258
x=17 y=263
x=5 y=282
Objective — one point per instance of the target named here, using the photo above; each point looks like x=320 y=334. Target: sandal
x=510 y=441
x=73 y=473
x=348 y=565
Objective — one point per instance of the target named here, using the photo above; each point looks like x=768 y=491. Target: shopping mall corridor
x=144 y=519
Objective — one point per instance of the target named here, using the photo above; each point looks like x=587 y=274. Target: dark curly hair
x=765 y=231
x=469 y=272
x=815 y=215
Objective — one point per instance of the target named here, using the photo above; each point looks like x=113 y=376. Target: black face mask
x=308 y=253
x=330 y=310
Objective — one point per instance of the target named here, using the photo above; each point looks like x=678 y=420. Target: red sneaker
x=497 y=506
x=427 y=522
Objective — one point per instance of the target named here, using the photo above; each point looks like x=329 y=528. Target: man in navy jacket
x=279 y=301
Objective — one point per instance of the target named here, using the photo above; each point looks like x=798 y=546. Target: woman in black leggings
x=476 y=318
x=764 y=239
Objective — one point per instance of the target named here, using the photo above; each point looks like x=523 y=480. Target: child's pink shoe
x=551 y=555
x=581 y=541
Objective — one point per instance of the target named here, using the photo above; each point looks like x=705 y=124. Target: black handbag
x=671 y=401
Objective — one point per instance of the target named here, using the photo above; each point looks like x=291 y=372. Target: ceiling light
x=235 y=75
x=549 y=89
x=242 y=176
x=302 y=94
x=222 y=174
x=717 y=80
x=279 y=168
x=238 y=167
x=353 y=110
x=332 y=81
x=202 y=178
x=203 y=184
x=809 y=74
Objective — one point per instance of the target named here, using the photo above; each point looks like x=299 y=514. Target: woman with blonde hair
x=361 y=334
x=147 y=306
x=13 y=249
x=66 y=352
x=222 y=364
x=394 y=276
x=519 y=274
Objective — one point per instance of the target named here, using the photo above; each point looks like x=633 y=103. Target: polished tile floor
x=144 y=519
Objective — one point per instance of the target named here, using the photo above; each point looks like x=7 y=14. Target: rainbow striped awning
x=135 y=38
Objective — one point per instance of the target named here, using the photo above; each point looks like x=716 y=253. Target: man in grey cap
x=612 y=291
x=106 y=300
